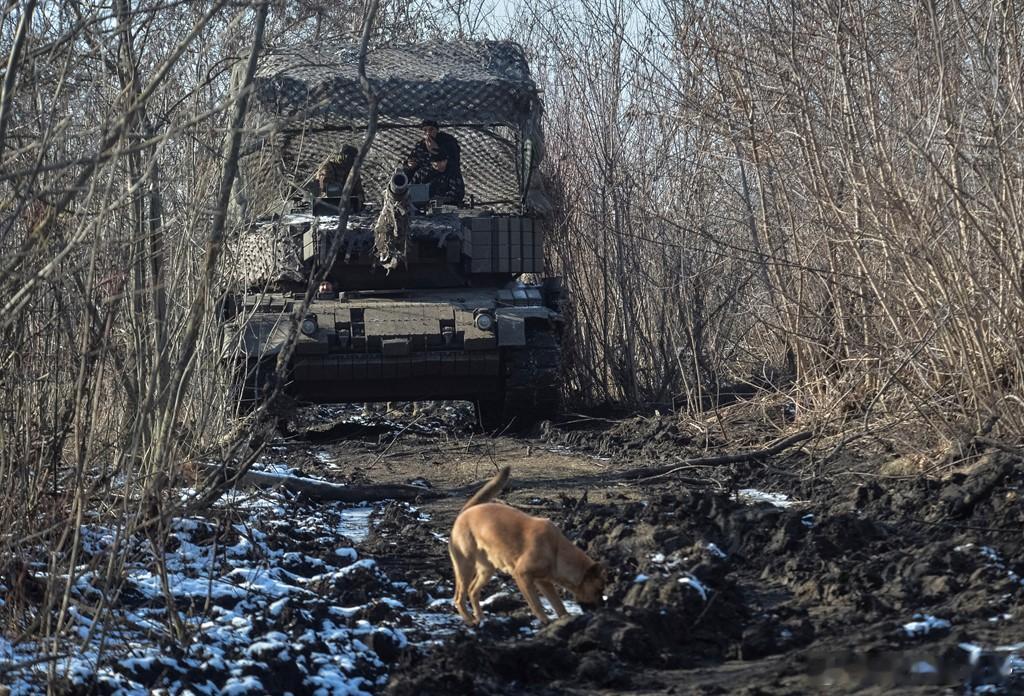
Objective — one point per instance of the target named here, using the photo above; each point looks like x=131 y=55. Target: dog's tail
x=490 y=490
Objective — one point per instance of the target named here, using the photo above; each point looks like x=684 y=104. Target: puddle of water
x=355 y=523
x=433 y=624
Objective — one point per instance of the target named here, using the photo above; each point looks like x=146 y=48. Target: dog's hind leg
x=551 y=593
x=483 y=575
x=463 y=568
x=525 y=583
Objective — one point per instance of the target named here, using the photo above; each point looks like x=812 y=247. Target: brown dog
x=488 y=536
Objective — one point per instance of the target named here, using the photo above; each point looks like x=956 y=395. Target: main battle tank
x=421 y=300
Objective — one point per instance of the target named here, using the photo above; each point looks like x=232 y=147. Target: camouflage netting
x=264 y=254
x=307 y=105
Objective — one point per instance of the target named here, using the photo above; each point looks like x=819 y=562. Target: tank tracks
x=532 y=384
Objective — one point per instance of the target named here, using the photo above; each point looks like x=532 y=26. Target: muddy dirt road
x=783 y=575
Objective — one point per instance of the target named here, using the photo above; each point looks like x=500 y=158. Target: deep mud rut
x=834 y=583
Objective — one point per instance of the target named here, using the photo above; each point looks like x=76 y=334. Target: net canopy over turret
x=308 y=103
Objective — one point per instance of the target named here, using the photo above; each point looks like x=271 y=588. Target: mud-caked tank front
x=404 y=345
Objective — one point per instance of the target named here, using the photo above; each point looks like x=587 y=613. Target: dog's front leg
x=525 y=583
x=551 y=593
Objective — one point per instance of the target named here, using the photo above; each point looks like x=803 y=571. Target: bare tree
x=817 y=195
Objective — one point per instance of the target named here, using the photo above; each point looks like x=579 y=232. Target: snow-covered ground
x=270 y=596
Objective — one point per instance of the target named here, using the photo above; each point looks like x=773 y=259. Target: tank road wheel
x=532 y=384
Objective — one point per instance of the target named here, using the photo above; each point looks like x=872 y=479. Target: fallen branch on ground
x=325 y=490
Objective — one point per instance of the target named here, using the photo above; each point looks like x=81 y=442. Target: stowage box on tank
x=423 y=298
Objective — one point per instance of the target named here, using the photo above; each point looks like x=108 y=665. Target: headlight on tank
x=309 y=325
x=484 y=321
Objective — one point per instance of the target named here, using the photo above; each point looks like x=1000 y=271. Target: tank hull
x=407 y=345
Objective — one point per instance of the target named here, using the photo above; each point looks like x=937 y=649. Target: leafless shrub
x=817 y=194
x=119 y=137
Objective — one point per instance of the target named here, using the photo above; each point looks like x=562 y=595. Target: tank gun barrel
x=399 y=185
x=391 y=231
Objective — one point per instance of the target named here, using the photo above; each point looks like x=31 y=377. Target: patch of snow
x=488 y=601
x=275 y=608
x=365 y=563
x=923 y=667
x=266 y=581
x=715 y=551
x=236 y=686
x=571 y=606
x=696 y=584
x=640 y=578
x=186 y=587
x=441 y=602
x=96 y=539
x=277 y=468
x=753 y=495
x=1014 y=665
x=991 y=554
x=346 y=553
x=271 y=644
x=973 y=651
x=924 y=624
x=995 y=560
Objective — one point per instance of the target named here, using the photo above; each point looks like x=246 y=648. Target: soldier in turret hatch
x=330 y=178
x=433 y=142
